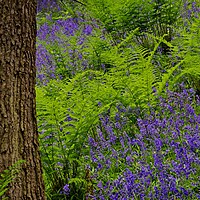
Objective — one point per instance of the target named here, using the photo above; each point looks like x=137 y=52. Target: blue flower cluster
x=60 y=49
x=191 y=10
x=159 y=161
x=47 y=5
x=66 y=189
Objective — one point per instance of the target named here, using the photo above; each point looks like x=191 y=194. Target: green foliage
x=121 y=17
x=68 y=109
x=7 y=177
x=82 y=99
x=129 y=82
x=188 y=49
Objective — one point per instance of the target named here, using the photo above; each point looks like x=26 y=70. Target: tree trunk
x=18 y=127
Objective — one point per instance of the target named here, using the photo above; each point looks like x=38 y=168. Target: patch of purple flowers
x=159 y=161
x=45 y=65
x=45 y=5
x=66 y=189
x=61 y=47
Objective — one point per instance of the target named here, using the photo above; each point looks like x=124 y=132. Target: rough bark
x=18 y=127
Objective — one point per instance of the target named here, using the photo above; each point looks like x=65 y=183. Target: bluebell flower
x=66 y=189
x=100 y=185
x=88 y=30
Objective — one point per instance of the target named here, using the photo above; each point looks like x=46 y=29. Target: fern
x=190 y=52
x=69 y=109
x=7 y=177
x=79 y=98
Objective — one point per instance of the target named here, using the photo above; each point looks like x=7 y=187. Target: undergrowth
x=94 y=65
